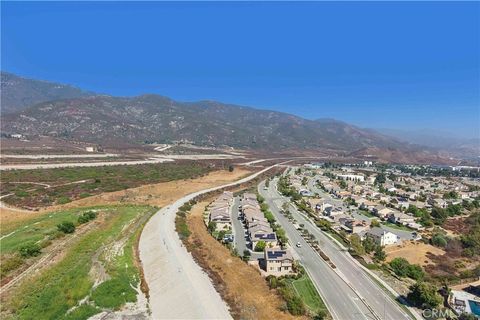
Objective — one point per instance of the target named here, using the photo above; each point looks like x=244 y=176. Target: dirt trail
x=239 y=284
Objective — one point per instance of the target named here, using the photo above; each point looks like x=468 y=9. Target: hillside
x=153 y=118
x=19 y=93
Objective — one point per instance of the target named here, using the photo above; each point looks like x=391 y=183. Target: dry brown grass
x=240 y=285
x=415 y=252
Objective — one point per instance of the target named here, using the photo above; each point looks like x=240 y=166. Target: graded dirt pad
x=239 y=284
x=416 y=252
x=159 y=194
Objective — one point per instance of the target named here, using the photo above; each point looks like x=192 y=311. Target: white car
x=299 y=245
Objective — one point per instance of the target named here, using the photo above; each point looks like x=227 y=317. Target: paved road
x=383 y=306
x=178 y=287
x=238 y=230
x=341 y=300
x=404 y=235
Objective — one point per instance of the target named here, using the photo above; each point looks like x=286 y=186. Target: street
x=384 y=307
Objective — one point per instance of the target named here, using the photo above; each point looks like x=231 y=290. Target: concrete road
x=383 y=306
x=178 y=287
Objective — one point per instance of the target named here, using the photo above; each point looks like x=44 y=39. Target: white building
x=383 y=237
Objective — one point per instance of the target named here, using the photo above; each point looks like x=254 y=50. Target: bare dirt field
x=414 y=252
x=159 y=194
x=241 y=285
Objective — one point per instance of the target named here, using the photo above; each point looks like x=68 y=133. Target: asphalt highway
x=348 y=291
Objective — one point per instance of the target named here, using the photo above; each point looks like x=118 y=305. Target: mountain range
x=32 y=107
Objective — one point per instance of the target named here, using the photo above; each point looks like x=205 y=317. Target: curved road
x=178 y=287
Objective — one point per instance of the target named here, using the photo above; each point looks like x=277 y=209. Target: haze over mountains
x=33 y=107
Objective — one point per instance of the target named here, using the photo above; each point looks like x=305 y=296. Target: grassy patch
x=35 y=230
x=396 y=226
x=309 y=295
x=55 y=291
x=366 y=213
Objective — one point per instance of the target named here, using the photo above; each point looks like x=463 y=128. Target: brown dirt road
x=240 y=285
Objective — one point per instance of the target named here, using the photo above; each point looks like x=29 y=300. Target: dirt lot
x=159 y=194
x=240 y=285
x=414 y=252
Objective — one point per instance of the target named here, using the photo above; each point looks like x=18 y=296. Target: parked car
x=299 y=245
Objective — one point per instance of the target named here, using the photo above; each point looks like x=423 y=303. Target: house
x=269 y=238
x=306 y=193
x=381 y=211
x=368 y=205
x=400 y=217
x=437 y=202
x=219 y=211
x=356 y=226
x=221 y=217
x=278 y=262
x=258 y=229
x=415 y=226
x=382 y=237
x=91 y=149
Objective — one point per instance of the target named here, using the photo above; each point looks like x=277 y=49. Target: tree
x=369 y=244
x=230 y=168
x=374 y=223
x=246 y=255
x=30 y=250
x=260 y=246
x=66 y=227
x=212 y=226
x=323 y=224
x=450 y=195
x=415 y=272
x=400 y=266
x=356 y=244
x=424 y=295
x=379 y=254
x=439 y=240
x=304 y=181
x=439 y=214
x=380 y=179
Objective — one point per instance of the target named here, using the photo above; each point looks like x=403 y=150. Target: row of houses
x=219 y=211
x=258 y=227
x=277 y=261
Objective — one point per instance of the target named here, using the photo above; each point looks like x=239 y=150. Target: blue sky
x=409 y=65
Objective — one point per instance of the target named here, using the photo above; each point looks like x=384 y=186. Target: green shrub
x=439 y=240
x=295 y=306
x=400 y=266
x=21 y=193
x=260 y=246
x=66 y=227
x=424 y=295
x=87 y=216
x=63 y=200
x=30 y=250
x=9 y=264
